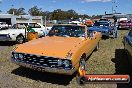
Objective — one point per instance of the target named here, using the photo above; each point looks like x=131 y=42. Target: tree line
x=57 y=14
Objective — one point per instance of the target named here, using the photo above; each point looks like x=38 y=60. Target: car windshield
x=67 y=31
x=19 y=26
x=101 y=24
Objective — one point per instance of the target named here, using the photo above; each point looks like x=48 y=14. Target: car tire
x=97 y=47
x=20 y=39
x=79 y=78
x=82 y=63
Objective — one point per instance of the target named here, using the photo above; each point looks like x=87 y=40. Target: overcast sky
x=90 y=7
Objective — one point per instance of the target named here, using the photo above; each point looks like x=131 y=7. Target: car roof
x=68 y=25
x=26 y=22
x=104 y=21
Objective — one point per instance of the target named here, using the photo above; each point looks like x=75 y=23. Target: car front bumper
x=45 y=69
x=124 y=26
x=105 y=34
x=5 y=38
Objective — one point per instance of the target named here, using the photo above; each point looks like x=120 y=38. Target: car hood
x=95 y=28
x=10 y=31
x=99 y=28
x=50 y=46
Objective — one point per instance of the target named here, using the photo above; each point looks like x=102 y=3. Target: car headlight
x=21 y=56
x=60 y=62
x=16 y=56
x=66 y=63
x=8 y=35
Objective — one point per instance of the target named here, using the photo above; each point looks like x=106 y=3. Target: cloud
x=97 y=0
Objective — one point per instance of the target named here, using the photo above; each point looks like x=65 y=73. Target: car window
x=31 y=25
x=34 y=25
x=101 y=24
x=19 y=25
x=37 y=26
x=123 y=22
x=67 y=31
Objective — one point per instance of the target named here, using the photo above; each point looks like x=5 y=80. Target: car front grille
x=3 y=36
x=42 y=61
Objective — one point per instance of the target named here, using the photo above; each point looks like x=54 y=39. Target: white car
x=17 y=32
x=3 y=25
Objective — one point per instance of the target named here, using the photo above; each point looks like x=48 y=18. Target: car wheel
x=81 y=80
x=97 y=47
x=82 y=63
x=20 y=39
x=42 y=35
x=79 y=77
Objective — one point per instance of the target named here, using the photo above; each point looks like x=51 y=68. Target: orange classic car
x=62 y=51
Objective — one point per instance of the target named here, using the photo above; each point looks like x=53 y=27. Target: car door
x=91 y=42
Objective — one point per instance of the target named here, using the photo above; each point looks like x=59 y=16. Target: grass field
x=109 y=59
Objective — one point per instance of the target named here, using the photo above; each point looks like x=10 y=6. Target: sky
x=90 y=7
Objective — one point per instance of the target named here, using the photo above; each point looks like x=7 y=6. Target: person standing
x=115 y=33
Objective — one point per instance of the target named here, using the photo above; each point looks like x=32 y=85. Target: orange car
x=89 y=23
x=63 y=50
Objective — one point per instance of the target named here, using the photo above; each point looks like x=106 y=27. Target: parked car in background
x=105 y=28
x=89 y=23
x=75 y=22
x=63 y=51
x=127 y=40
x=125 y=24
x=3 y=25
x=17 y=32
x=103 y=19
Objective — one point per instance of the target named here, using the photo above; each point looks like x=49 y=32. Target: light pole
x=114 y=5
x=113 y=2
x=0 y=3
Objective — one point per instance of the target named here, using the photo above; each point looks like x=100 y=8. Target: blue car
x=105 y=28
x=127 y=40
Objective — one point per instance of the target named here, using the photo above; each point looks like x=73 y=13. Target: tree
x=10 y=11
x=47 y=14
x=35 y=11
x=71 y=14
x=19 y=11
x=63 y=15
x=58 y=14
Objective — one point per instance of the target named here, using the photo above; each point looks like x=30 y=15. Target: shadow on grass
x=105 y=37
x=122 y=66
x=43 y=76
x=7 y=43
x=123 y=28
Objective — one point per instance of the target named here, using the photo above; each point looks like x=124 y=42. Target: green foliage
x=19 y=11
x=35 y=11
x=57 y=14
x=64 y=15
